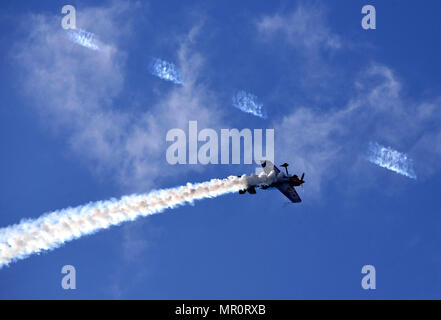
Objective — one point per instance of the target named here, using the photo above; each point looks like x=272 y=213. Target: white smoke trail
x=54 y=229
x=249 y=103
x=165 y=70
x=391 y=159
x=83 y=38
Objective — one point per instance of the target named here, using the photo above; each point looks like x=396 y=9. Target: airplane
x=284 y=182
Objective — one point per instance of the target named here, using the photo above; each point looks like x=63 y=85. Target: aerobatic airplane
x=283 y=182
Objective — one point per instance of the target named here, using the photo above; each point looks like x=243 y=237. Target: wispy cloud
x=391 y=159
x=307 y=38
x=249 y=103
x=80 y=91
x=304 y=28
x=322 y=136
x=323 y=141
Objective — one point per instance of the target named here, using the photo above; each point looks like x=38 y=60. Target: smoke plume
x=54 y=229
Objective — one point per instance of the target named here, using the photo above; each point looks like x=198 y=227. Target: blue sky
x=81 y=125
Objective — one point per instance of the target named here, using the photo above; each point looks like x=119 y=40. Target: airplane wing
x=268 y=166
x=288 y=191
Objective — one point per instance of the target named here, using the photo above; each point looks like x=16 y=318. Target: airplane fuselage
x=285 y=183
x=292 y=180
